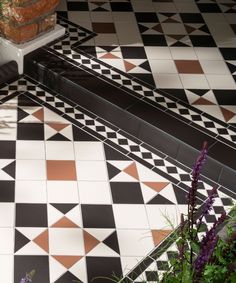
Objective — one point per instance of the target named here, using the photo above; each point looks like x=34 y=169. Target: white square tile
x=94 y=192
x=221 y=81
x=78 y=16
x=167 y=81
x=208 y=53
x=91 y=171
x=163 y=66
x=7 y=212
x=160 y=216
x=97 y=17
x=183 y=53
x=30 y=150
x=183 y=7
x=194 y=81
x=123 y=17
x=30 y=191
x=135 y=242
x=173 y=28
x=59 y=150
x=103 y=39
x=131 y=36
x=128 y=216
x=7 y=268
x=62 y=191
x=154 y=52
x=8 y=113
x=89 y=151
x=30 y=170
x=165 y=7
x=214 y=67
x=8 y=131
x=6 y=240
x=66 y=241
x=129 y=262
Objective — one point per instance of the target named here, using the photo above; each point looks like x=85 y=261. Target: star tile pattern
x=82 y=207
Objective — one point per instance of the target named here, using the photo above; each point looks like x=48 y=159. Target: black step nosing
x=123 y=116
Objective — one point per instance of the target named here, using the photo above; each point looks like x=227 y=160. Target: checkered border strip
x=187 y=114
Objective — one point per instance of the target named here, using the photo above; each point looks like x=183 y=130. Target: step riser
x=55 y=75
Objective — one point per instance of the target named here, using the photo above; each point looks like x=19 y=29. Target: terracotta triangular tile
x=39 y=114
x=158 y=28
x=58 y=126
x=159 y=235
x=203 y=101
x=132 y=171
x=64 y=222
x=109 y=56
x=156 y=186
x=189 y=29
x=42 y=241
x=89 y=242
x=67 y=261
x=227 y=114
x=128 y=66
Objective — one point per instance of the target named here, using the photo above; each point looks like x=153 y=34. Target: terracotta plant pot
x=24 y=20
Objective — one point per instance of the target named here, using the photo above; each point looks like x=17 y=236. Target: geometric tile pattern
x=54 y=168
x=169 y=46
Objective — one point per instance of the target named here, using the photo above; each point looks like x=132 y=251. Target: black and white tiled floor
x=82 y=199
x=74 y=206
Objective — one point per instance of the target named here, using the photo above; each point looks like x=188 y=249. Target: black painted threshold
x=161 y=130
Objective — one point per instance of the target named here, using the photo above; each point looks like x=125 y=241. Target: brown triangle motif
x=203 y=101
x=109 y=56
x=128 y=66
x=39 y=114
x=159 y=235
x=67 y=261
x=99 y=3
x=90 y=242
x=156 y=186
x=132 y=171
x=64 y=222
x=227 y=114
x=189 y=29
x=42 y=241
x=158 y=28
x=57 y=126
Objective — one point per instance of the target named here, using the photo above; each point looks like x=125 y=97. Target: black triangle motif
x=205 y=29
x=159 y=199
x=112 y=171
x=64 y=207
x=179 y=43
x=180 y=195
x=142 y=28
x=20 y=240
x=10 y=169
x=21 y=114
x=23 y=100
x=112 y=242
x=108 y=48
x=58 y=137
x=80 y=135
x=199 y=92
x=100 y=9
x=231 y=67
x=112 y=154
x=145 y=66
x=68 y=277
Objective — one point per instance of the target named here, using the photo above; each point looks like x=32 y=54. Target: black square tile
x=31 y=215
x=23 y=100
x=228 y=53
x=8 y=149
x=30 y=131
x=121 y=6
x=225 y=97
x=192 y=18
x=202 y=41
x=77 y=6
x=162 y=265
x=147 y=17
x=209 y=8
x=99 y=268
x=133 y=52
x=147 y=78
x=27 y=263
x=7 y=191
x=154 y=40
x=126 y=192
x=97 y=216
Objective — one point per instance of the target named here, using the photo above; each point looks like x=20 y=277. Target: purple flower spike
x=28 y=277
